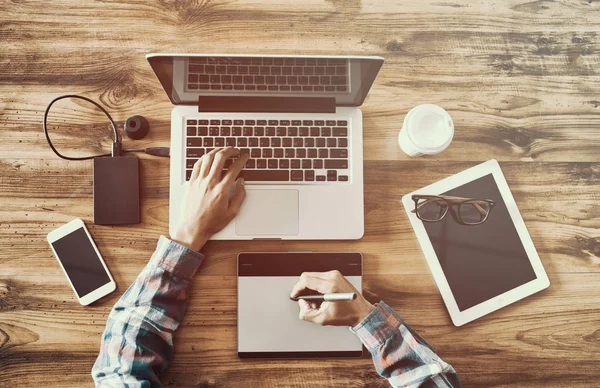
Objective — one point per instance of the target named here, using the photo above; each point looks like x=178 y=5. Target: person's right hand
x=339 y=313
x=211 y=199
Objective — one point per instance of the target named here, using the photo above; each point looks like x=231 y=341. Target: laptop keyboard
x=256 y=74
x=280 y=150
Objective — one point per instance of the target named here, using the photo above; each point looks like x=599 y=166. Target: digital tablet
x=268 y=322
x=478 y=268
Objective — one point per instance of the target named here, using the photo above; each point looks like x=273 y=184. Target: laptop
x=297 y=116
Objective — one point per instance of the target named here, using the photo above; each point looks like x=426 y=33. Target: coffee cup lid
x=430 y=128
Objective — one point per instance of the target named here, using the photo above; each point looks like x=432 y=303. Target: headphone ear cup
x=136 y=127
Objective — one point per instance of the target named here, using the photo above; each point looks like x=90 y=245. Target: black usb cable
x=116 y=146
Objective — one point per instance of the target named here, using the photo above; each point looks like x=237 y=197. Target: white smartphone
x=79 y=258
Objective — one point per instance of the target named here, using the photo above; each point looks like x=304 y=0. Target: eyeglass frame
x=450 y=202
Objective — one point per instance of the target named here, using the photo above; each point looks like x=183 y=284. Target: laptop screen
x=185 y=78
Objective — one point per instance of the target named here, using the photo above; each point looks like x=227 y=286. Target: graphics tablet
x=268 y=323
x=478 y=268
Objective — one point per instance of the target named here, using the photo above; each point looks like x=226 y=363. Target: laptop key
x=284 y=163
x=290 y=153
x=343 y=178
x=331 y=142
x=219 y=142
x=336 y=153
x=320 y=178
x=225 y=131
x=318 y=164
x=301 y=153
x=208 y=142
x=270 y=131
x=340 y=164
x=255 y=153
x=297 y=175
x=261 y=163
x=248 y=131
x=191 y=131
x=194 y=152
x=265 y=175
x=275 y=142
x=278 y=152
x=295 y=163
x=242 y=142
x=331 y=175
x=194 y=142
x=281 y=131
x=306 y=164
x=213 y=131
x=340 y=131
x=342 y=142
x=309 y=142
x=272 y=163
x=309 y=175
x=189 y=163
x=188 y=174
x=202 y=131
x=253 y=142
x=230 y=142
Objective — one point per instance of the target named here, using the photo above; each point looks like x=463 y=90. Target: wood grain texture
x=521 y=79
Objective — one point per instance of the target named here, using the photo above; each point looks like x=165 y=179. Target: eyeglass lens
x=431 y=209
x=473 y=212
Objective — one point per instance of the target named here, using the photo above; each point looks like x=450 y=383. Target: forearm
x=400 y=354
x=137 y=343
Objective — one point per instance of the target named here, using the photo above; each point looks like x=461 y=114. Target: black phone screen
x=482 y=261
x=83 y=266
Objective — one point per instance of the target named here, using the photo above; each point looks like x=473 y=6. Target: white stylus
x=329 y=297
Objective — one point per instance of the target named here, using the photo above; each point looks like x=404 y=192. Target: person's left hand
x=210 y=200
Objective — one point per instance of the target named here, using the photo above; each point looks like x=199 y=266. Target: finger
x=219 y=162
x=307 y=313
x=236 y=167
x=207 y=161
x=238 y=197
x=306 y=281
x=196 y=170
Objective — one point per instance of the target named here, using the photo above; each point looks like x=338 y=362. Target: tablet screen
x=482 y=261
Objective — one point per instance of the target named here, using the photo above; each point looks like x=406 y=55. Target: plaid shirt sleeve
x=400 y=354
x=137 y=343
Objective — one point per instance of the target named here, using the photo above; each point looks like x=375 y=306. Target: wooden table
x=520 y=78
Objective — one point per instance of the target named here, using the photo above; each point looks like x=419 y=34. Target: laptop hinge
x=266 y=104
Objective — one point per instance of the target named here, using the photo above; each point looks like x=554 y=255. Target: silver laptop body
x=297 y=116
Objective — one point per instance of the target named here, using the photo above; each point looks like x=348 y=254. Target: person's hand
x=211 y=200
x=339 y=313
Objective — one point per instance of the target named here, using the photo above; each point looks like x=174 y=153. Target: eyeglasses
x=466 y=211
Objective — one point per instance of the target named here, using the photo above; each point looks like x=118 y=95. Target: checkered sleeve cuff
x=176 y=258
x=378 y=326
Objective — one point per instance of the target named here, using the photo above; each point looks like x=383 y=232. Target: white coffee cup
x=427 y=130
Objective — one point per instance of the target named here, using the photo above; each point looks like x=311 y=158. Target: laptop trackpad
x=268 y=213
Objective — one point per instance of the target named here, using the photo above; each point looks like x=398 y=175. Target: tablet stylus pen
x=329 y=297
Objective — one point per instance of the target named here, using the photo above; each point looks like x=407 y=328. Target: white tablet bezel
x=541 y=282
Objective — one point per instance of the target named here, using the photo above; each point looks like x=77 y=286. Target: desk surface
x=520 y=78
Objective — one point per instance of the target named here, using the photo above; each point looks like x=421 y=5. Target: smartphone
x=79 y=258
